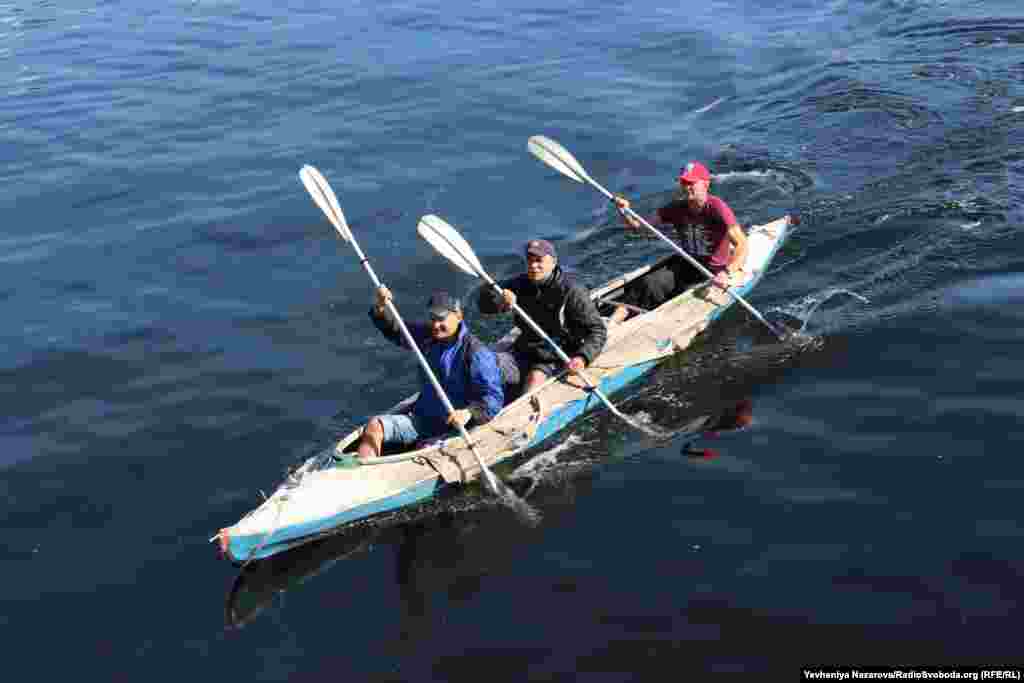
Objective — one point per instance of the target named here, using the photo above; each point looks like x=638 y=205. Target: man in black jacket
x=559 y=305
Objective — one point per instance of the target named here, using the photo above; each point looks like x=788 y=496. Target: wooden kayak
x=333 y=488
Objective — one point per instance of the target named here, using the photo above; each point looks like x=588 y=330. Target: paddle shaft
x=707 y=273
x=448 y=242
x=628 y=307
x=554 y=345
x=426 y=366
x=682 y=252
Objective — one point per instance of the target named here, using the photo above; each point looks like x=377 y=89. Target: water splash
x=802 y=311
x=546 y=460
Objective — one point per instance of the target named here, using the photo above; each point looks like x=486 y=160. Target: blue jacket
x=476 y=384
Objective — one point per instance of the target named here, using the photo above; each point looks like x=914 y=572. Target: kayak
x=333 y=488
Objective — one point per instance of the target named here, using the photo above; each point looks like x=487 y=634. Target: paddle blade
x=450 y=244
x=321 y=192
x=557 y=157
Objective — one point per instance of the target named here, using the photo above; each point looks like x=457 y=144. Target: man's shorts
x=515 y=366
x=401 y=429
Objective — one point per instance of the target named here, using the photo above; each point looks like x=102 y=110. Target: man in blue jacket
x=466 y=369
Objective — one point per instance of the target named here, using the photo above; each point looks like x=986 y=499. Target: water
x=182 y=326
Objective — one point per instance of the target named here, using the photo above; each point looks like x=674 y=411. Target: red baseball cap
x=693 y=172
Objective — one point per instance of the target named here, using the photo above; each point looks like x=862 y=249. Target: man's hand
x=382 y=299
x=509 y=299
x=576 y=364
x=621 y=203
x=460 y=417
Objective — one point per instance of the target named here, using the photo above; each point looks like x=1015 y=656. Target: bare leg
x=618 y=315
x=372 y=441
x=534 y=379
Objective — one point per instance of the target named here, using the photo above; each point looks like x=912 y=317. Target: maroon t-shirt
x=702 y=233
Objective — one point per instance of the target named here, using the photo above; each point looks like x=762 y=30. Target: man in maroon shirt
x=707 y=230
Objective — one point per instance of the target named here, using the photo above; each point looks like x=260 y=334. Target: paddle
x=450 y=244
x=323 y=195
x=559 y=158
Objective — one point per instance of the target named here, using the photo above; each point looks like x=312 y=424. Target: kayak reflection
x=258 y=583
x=448 y=547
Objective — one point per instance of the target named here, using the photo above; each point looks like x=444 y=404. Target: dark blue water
x=181 y=325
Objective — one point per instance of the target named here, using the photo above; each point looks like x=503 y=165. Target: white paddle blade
x=557 y=157
x=321 y=192
x=450 y=244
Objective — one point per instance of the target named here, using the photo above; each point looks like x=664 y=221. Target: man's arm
x=382 y=319
x=631 y=223
x=490 y=302
x=485 y=375
x=738 y=239
x=584 y=311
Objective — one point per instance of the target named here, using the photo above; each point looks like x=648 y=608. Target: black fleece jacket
x=561 y=307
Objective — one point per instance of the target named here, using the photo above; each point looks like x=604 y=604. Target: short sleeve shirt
x=702 y=233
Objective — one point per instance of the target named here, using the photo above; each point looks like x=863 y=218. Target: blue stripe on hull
x=246 y=547
x=282 y=539
x=570 y=411
x=257 y=546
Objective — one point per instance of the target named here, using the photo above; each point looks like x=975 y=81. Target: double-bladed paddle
x=559 y=158
x=450 y=244
x=324 y=196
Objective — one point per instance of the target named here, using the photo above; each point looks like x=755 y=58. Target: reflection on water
x=733 y=418
x=259 y=582
x=448 y=546
x=440 y=548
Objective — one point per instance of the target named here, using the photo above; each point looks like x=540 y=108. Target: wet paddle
x=323 y=195
x=559 y=158
x=450 y=244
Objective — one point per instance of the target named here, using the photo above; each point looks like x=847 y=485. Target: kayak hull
x=332 y=489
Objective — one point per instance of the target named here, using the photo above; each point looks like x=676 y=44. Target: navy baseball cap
x=441 y=303
x=540 y=248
